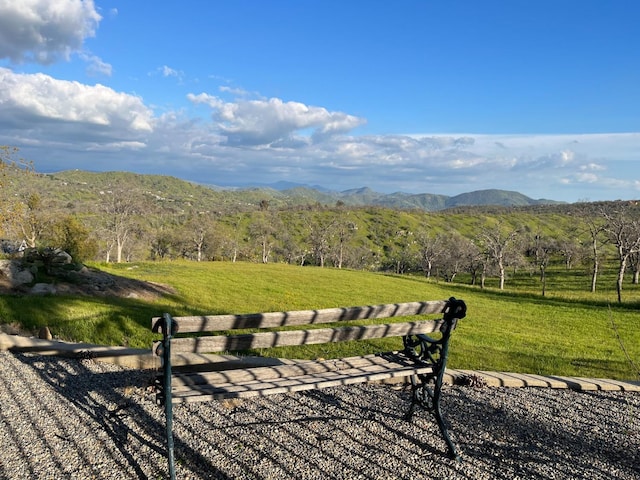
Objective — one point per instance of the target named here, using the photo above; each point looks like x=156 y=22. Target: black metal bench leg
x=453 y=454
x=422 y=395
x=168 y=405
x=414 y=399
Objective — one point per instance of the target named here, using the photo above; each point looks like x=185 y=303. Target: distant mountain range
x=81 y=185
x=424 y=201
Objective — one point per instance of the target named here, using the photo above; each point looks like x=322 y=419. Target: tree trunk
x=623 y=266
x=501 y=268
x=596 y=265
x=119 y=248
x=594 y=275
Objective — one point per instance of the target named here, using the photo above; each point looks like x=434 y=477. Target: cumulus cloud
x=45 y=31
x=263 y=122
x=59 y=108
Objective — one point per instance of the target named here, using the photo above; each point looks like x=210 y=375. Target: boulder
x=15 y=273
x=43 y=289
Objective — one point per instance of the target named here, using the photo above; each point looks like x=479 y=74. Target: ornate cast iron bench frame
x=423 y=358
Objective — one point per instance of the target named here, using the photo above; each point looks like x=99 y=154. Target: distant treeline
x=123 y=217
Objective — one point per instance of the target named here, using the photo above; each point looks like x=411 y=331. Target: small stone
x=43 y=289
x=45 y=333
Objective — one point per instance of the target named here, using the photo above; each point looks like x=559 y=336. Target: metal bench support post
x=426 y=350
x=168 y=330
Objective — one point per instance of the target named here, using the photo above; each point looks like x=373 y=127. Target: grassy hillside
x=515 y=331
x=83 y=188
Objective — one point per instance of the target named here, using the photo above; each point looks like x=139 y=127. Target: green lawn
x=575 y=333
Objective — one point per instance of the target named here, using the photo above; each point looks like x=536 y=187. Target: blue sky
x=540 y=97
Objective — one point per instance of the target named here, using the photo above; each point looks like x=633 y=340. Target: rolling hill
x=80 y=185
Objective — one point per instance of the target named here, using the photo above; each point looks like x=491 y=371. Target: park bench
x=422 y=358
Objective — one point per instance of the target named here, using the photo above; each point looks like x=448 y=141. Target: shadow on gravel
x=550 y=433
x=114 y=403
x=71 y=418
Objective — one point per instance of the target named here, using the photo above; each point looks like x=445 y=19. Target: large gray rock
x=15 y=273
x=59 y=257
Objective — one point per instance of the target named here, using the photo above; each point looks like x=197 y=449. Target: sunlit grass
x=567 y=332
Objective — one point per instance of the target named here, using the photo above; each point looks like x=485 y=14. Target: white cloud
x=95 y=65
x=239 y=92
x=61 y=124
x=586 y=178
x=170 y=72
x=56 y=108
x=45 y=31
x=262 y=122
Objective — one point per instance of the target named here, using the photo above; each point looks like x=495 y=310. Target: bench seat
x=311 y=375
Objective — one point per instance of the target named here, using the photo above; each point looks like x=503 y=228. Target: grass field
x=567 y=332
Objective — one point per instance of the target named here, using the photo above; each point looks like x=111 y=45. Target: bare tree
x=429 y=250
x=120 y=207
x=570 y=250
x=456 y=255
x=499 y=245
x=344 y=231
x=542 y=248
x=623 y=231
x=596 y=226
x=476 y=262
x=320 y=228
x=263 y=229
x=198 y=229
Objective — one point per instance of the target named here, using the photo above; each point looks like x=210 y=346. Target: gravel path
x=80 y=419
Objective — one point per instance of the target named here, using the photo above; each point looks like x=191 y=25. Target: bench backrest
x=212 y=330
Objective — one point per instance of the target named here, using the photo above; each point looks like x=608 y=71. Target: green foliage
x=70 y=235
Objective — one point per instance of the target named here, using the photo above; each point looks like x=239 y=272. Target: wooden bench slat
x=212 y=323
x=295 y=384
x=283 y=371
x=222 y=343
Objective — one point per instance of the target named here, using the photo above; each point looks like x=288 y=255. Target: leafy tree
x=9 y=207
x=71 y=235
x=161 y=237
x=32 y=219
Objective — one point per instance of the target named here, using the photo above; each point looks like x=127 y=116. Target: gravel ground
x=80 y=419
